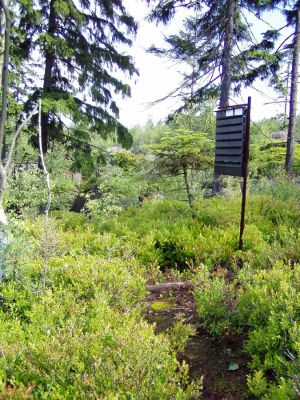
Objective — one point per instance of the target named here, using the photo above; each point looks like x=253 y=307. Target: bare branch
x=47 y=178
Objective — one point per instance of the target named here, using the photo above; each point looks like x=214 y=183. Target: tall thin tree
x=289 y=160
x=226 y=75
x=4 y=73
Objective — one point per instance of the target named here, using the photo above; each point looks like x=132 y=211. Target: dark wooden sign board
x=232 y=148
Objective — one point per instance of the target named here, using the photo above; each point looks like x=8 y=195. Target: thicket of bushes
x=72 y=338
x=262 y=300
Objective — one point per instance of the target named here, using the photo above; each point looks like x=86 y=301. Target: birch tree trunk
x=2 y=40
x=3 y=186
x=289 y=159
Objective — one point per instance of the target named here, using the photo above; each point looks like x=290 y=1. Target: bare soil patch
x=208 y=357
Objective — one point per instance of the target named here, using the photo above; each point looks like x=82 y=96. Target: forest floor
x=208 y=357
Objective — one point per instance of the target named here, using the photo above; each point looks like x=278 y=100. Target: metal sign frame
x=232 y=148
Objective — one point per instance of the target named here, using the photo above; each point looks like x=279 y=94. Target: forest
x=121 y=272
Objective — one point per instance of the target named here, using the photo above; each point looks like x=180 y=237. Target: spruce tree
x=218 y=43
x=287 y=45
x=69 y=49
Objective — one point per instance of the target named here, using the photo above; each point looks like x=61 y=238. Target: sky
x=158 y=76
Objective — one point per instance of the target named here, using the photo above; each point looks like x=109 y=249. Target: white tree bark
x=47 y=178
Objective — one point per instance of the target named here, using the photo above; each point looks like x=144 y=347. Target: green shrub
x=73 y=339
x=212 y=237
x=28 y=192
x=269 y=159
x=173 y=255
x=75 y=350
x=213 y=302
x=268 y=303
x=179 y=335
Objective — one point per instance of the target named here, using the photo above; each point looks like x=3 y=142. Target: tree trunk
x=47 y=85
x=187 y=187
x=226 y=62
x=226 y=76
x=2 y=40
x=289 y=160
x=4 y=81
x=3 y=187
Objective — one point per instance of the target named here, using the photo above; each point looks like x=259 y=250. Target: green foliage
x=68 y=38
x=268 y=160
x=261 y=131
x=268 y=303
x=74 y=340
x=173 y=255
x=263 y=300
x=179 y=334
x=116 y=189
x=208 y=44
x=98 y=268
x=183 y=148
x=28 y=191
x=270 y=234
x=147 y=134
x=213 y=301
x=182 y=152
x=125 y=159
x=196 y=120
x=258 y=384
x=282 y=188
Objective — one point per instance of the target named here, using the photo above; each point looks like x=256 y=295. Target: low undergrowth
x=164 y=234
x=254 y=292
x=72 y=338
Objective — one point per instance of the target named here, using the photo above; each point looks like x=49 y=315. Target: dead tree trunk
x=289 y=159
x=226 y=75
x=162 y=287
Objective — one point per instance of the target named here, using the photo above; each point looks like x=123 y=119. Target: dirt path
x=208 y=357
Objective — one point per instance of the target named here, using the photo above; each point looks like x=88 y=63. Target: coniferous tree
x=219 y=44
x=217 y=41
x=290 y=45
x=69 y=49
x=207 y=42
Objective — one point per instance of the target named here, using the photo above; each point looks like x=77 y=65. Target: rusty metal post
x=245 y=173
